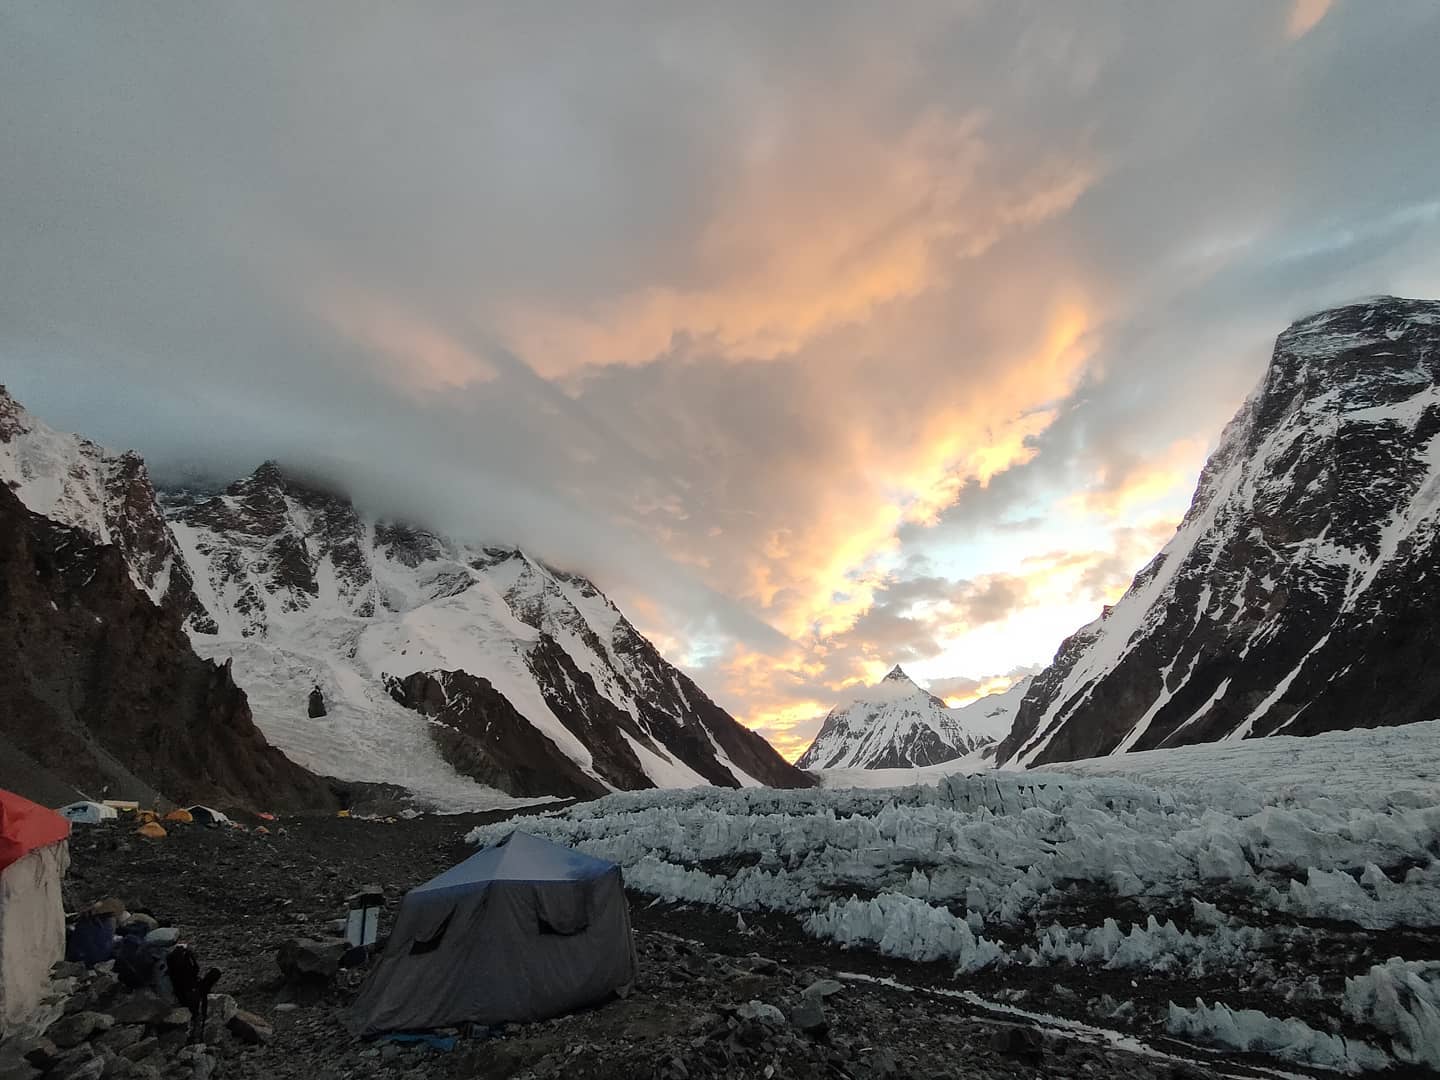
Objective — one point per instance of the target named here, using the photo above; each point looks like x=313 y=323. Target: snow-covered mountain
x=531 y=679
x=441 y=666
x=1300 y=592
x=992 y=716
x=108 y=496
x=894 y=724
x=102 y=692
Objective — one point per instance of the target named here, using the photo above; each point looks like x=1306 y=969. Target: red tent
x=25 y=826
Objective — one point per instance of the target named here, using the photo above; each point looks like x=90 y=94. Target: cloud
x=1305 y=15
x=821 y=337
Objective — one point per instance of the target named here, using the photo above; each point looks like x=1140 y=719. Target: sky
x=824 y=336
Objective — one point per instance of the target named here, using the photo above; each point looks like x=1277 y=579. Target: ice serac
x=1299 y=593
x=529 y=679
x=894 y=724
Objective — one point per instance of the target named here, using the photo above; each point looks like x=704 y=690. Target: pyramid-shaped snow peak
x=894 y=724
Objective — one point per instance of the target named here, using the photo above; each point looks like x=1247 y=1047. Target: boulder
x=176 y=1017
x=809 y=1016
x=41 y=1053
x=222 y=1007
x=119 y=1037
x=144 y=1007
x=70 y=1031
x=823 y=988
x=1017 y=1042
x=316 y=704
x=249 y=1028
x=140 y=1051
x=81 y=1063
x=308 y=959
x=761 y=1011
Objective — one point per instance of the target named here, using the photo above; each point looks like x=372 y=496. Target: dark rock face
x=277 y=531
x=480 y=733
x=315 y=706
x=1299 y=594
x=103 y=691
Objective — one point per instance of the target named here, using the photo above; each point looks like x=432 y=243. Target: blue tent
x=519 y=857
x=523 y=930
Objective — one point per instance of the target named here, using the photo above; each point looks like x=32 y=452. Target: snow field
x=972 y=869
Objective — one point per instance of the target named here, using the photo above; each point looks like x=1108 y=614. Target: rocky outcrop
x=74 y=481
x=481 y=734
x=1299 y=593
x=102 y=691
x=892 y=725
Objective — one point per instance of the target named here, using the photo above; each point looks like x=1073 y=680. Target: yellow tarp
x=151 y=830
x=179 y=815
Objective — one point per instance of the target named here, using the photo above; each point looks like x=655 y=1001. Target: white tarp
x=87 y=813
x=32 y=931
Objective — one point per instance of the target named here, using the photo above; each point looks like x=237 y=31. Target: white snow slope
x=990 y=717
x=894 y=724
x=975 y=870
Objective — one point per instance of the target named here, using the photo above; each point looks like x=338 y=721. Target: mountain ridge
x=279 y=578
x=1296 y=594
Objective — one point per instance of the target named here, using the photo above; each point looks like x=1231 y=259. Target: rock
x=316 y=704
x=249 y=1028
x=823 y=988
x=70 y=1031
x=20 y=1070
x=179 y=1016
x=67 y=969
x=140 y=918
x=39 y=1052
x=809 y=1016
x=222 y=1007
x=751 y=1033
x=163 y=936
x=119 y=1037
x=760 y=965
x=81 y=1063
x=141 y=1050
x=761 y=1011
x=143 y=1007
x=1017 y=1041
x=305 y=959
x=102 y=986
x=879 y=1064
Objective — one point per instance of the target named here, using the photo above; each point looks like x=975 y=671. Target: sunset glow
x=822 y=339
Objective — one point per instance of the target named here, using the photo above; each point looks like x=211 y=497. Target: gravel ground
x=237 y=896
